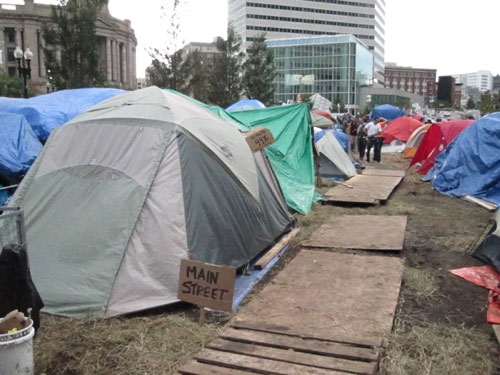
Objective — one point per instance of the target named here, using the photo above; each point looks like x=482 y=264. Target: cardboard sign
x=259 y=138
x=206 y=285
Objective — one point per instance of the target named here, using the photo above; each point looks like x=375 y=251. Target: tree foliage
x=71 y=52
x=486 y=105
x=11 y=87
x=170 y=72
x=258 y=79
x=470 y=104
x=225 y=73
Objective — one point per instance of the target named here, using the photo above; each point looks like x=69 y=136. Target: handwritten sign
x=206 y=285
x=259 y=138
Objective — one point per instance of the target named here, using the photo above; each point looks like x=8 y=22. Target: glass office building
x=332 y=66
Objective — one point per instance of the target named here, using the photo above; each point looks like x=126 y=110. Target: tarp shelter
x=46 y=112
x=4 y=195
x=435 y=140
x=400 y=129
x=488 y=251
x=334 y=160
x=325 y=114
x=414 y=141
x=19 y=147
x=471 y=163
x=321 y=121
x=121 y=193
x=245 y=105
x=341 y=137
x=386 y=111
x=291 y=156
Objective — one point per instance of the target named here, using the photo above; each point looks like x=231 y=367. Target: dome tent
x=400 y=129
x=124 y=191
x=386 y=111
x=245 y=105
x=471 y=163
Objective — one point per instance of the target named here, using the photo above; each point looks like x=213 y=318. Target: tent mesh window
x=11 y=227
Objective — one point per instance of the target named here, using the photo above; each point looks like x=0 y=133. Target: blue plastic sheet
x=340 y=136
x=244 y=105
x=4 y=195
x=386 y=111
x=471 y=163
x=46 y=112
x=19 y=146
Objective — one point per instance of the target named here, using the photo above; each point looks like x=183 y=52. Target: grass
x=420 y=283
x=438 y=350
x=131 y=345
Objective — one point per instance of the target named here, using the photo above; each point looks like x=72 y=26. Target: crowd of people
x=364 y=135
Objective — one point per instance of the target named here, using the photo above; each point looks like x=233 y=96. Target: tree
x=11 y=86
x=486 y=106
x=225 y=72
x=470 y=104
x=197 y=85
x=258 y=79
x=71 y=52
x=171 y=72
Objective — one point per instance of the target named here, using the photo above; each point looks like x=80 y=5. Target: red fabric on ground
x=435 y=141
x=487 y=277
x=401 y=129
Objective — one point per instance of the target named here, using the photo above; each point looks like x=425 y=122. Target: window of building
x=10 y=35
x=10 y=55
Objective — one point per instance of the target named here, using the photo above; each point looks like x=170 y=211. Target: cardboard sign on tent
x=437 y=138
x=471 y=163
x=122 y=193
x=400 y=129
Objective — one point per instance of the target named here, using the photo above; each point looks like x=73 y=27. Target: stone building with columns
x=21 y=25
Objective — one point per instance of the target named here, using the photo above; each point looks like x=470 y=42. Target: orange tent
x=414 y=141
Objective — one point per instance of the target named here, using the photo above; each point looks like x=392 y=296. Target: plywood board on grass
x=331 y=294
x=364 y=189
x=383 y=172
x=363 y=232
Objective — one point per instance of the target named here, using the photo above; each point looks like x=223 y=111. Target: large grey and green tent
x=124 y=191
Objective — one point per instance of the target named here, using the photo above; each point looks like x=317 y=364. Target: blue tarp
x=19 y=146
x=471 y=163
x=244 y=105
x=4 y=195
x=340 y=136
x=46 y=112
x=386 y=111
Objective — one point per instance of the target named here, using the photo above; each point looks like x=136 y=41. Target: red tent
x=323 y=113
x=436 y=139
x=401 y=129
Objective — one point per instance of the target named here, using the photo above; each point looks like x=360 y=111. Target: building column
x=116 y=61
x=108 y=60
x=124 y=64
x=19 y=41
x=3 y=61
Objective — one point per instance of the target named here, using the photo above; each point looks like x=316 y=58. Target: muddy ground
x=437 y=310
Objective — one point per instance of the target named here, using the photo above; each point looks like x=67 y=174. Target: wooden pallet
x=384 y=172
x=257 y=348
x=267 y=257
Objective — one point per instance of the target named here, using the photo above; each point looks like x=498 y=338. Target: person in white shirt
x=372 y=129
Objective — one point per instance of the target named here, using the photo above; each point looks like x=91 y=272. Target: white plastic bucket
x=16 y=355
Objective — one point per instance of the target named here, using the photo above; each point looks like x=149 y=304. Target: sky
x=452 y=36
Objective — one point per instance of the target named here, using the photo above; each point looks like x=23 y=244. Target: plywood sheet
x=345 y=232
x=364 y=189
x=383 y=172
x=331 y=294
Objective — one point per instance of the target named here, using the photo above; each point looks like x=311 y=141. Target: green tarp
x=291 y=156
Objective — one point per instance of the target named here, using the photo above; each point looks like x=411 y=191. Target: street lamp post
x=24 y=66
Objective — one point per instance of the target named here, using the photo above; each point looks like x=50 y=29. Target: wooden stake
x=202 y=315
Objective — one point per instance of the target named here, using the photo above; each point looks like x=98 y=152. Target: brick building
x=416 y=81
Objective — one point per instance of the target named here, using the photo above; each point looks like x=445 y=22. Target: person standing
x=352 y=131
x=362 y=137
x=379 y=141
x=373 y=129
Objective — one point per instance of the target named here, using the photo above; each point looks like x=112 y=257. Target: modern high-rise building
x=365 y=19
x=336 y=67
x=482 y=80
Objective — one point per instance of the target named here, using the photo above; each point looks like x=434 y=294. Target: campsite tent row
x=120 y=194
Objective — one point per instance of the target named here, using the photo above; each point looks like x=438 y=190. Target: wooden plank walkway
x=325 y=313
x=344 y=232
x=364 y=189
x=383 y=172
